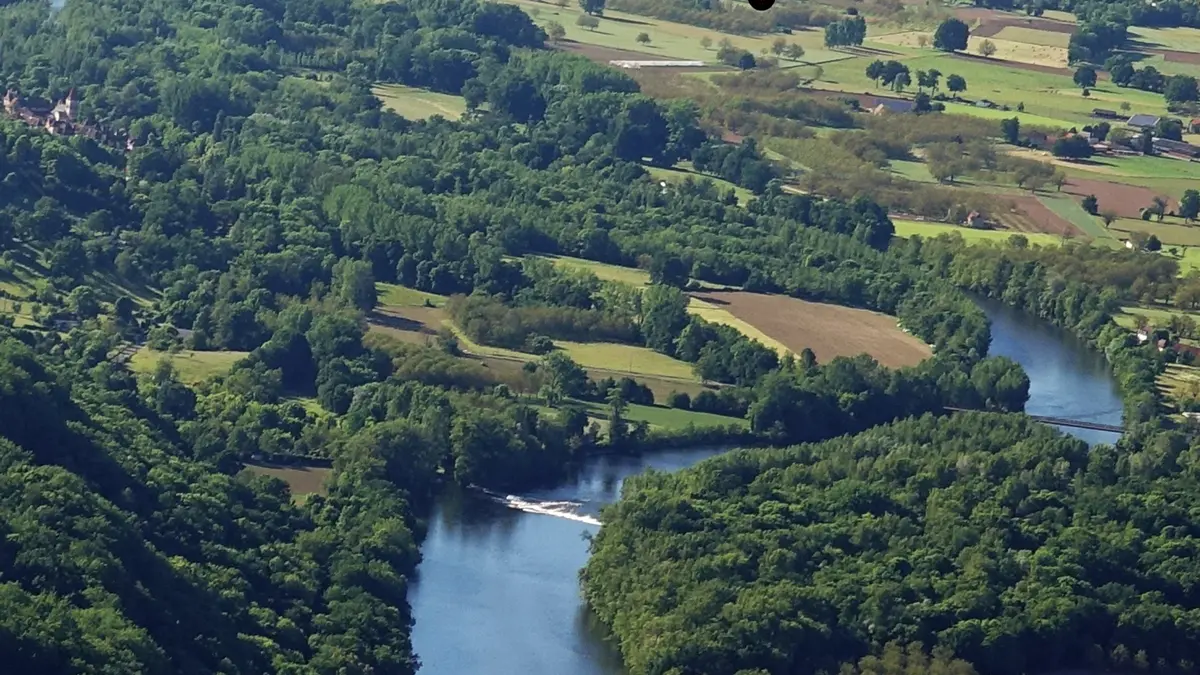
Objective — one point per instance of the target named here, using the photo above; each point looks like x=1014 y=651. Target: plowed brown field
x=828 y=330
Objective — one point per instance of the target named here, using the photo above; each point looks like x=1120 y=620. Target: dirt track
x=828 y=330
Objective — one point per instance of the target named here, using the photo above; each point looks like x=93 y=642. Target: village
x=61 y=119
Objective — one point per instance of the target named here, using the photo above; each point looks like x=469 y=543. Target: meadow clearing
x=668 y=40
x=929 y=230
x=302 y=480
x=192 y=367
x=419 y=104
x=663 y=417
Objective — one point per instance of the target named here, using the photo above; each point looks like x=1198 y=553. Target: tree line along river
x=498 y=589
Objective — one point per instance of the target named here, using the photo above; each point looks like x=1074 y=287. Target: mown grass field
x=1033 y=36
x=666 y=418
x=1179 y=380
x=1168 y=232
x=909 y=228
x=1054 y=56
x=193 y=367
x=1052 y=97
x=419 y=104
x=683 y=171
x=1179 y=39
x=1158 y=316
x=1068 y=208
x=395 y=295
x=668 y=40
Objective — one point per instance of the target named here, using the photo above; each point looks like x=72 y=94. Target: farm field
x=909 y=228
x=1177 y=39
x=604 y=271
x=666 y=418
x=828 y=330
x=193 y=367
x=1168 y=232
x=418 y=104
x=1048 y=95
x=1049 y=56
x=1158 y=316
x=668 y=40
x=302 y=480
x=1179 y=380
x=1034 y=36
x=1069 y=209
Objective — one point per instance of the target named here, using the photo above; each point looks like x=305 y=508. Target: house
x=1141 y=121
x=1105 y=114
x=892 y=105
x=60 y=119
x=1039 y=139
x=1194 y=125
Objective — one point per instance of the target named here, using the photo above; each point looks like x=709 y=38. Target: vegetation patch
x=666 y=418
x=192 y=367
x=419 y=104
x=828 y=330
x=1169 y=233
x=302 y=480
x=909 y=228
x=1034 y=36
x=1069 y=209
x=395 y=295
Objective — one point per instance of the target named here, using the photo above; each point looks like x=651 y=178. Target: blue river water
x=497 y=592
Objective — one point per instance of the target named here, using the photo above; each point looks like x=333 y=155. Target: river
x=497 y=592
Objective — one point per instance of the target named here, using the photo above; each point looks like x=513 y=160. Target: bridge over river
x=1059 y=421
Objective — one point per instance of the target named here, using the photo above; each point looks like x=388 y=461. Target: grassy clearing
x=666 y=418
x=193 y=367
x=1157 y=316
x=1033 y=36
x=395 y=295
x=683 y=171
x=1179 y=39
x=914 y=171
x=1048 y=95
x=909 y=228
x=1179 y=380
x=1068 y=208
x=419 y=104
x=1171 y=232
x=1054 y=56
x=302 y=480
x=608 y=356
x=668 y=40
x=606 y=272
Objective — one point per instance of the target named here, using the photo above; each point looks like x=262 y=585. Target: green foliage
x=802 y=559
x=951 y=35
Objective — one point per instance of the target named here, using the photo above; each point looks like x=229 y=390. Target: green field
x=1179 y=39
x=1068 y=207
x=604 y=271
x=1171 y=232
x=418 y=104
x=914 y=171
x=609 y=356
x=668 y=40
x=1052 y=98
x=683 y=172
x=666 y=418
x=395 y=295
x=1157 y=316
x=192 y=367
x=909 y=228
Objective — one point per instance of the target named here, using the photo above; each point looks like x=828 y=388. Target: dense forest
x=1002 y=541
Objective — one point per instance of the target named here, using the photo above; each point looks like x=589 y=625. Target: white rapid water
x=564 y=509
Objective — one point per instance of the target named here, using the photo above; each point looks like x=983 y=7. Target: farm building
x=1194 y=125
x=891 y=105
x=1170 y=147
x=657 y=64
x=1039 y=140
x=1141 y=121
x=1105 y=114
